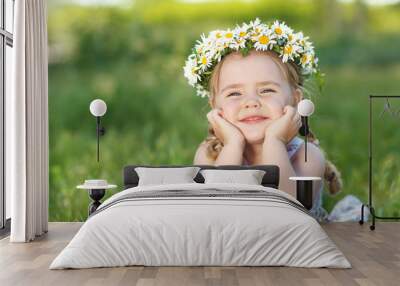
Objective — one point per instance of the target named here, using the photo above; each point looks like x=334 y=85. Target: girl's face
x=253 y=91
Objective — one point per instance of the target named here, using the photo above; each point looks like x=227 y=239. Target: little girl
x=253 y=77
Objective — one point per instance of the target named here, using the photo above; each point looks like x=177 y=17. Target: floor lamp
x=370 y=203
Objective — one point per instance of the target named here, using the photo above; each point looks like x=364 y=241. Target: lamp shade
x=98 y=107
x=305 y=107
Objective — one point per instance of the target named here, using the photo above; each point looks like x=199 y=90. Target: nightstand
x=96 y=190
x=304 y=190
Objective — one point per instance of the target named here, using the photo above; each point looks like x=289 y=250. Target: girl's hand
x=285 y=127
x=223 y=129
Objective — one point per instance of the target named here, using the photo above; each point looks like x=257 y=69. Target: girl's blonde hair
x=292 y=74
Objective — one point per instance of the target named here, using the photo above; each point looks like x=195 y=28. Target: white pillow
x=162 y=176
x=249 y=177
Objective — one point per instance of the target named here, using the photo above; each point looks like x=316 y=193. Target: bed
x=201 y=224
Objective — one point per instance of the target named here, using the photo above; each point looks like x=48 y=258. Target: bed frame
x=270 y=179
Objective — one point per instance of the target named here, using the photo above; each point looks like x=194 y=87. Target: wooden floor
x=374 y=255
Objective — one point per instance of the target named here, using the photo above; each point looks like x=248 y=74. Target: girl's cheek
x=276 y=108
x=230 y=111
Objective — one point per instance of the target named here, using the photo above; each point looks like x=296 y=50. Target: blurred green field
x=133 y=57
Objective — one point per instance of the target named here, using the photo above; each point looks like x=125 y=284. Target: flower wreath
x=277 y=37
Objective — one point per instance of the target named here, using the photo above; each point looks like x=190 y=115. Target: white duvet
x=182 y=231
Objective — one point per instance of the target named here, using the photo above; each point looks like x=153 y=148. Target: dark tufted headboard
x=270 y=179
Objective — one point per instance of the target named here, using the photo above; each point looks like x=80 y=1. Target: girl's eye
x=267 y=90
x=233 y=94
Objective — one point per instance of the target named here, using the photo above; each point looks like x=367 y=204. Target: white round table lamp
x=98 y=107
x=305 y=107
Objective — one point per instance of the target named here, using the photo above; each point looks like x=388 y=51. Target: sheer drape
x=27 y=124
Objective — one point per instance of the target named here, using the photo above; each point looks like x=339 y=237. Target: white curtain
x=27 y=124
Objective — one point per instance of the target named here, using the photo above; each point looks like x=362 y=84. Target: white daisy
x=202 y=40
x=216 y=34
x=217 y=49
x=244 y=27
x=298 y=36
x=218 y=39
x=202 y=92
x=204 y=45
x=204 y=61
x=307 y=46
x=253 y=24
x=303 y=42
x=305 y=59
x=307 y=70
x=228 y=36
x=239 y=43
x=256 y=28
x=218 y=56
x=224 y=41
x=200 y=48
x=313 y=62
x=289 y=52
x=294 y=37
x=265 y=40
x=281 y=30
x=241 y=32
x=190 y=71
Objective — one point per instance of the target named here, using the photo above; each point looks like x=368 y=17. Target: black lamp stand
x=96 y=195
x=304 y=130
x=100 y=131
x=304 y=193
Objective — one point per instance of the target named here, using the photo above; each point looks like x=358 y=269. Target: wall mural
x=166 y=107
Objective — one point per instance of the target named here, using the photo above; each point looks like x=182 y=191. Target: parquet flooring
x=374 y=255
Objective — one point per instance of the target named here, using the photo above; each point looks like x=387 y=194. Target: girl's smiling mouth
x=253 y=119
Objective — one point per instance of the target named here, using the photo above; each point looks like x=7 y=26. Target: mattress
x=197 y=224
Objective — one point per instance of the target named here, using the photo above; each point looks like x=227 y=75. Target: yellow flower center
x=288 y=50
x=242 y=34
x=204 y=60
x=218 y=35
x=304 y=59
x=278 y=30
x=228 y=35
x=263 y=39
x=290 y=37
